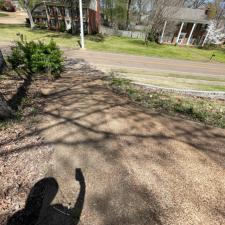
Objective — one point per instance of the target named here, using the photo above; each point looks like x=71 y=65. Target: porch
x=191 y=28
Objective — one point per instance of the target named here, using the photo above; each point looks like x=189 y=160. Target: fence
x=123 y=33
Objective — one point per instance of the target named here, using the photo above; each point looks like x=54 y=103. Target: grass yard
x=114 y=44
x=10 y=33
x=137 y=47
x=3 y=14
x=199 y=82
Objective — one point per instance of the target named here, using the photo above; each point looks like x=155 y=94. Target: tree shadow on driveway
x=142 y=165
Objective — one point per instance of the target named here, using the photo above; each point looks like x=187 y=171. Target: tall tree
x=216 y=12
x=116 y=12
x=28 y=5
x=215 y=35
x=139 y=8
x=159 y=10
x=5 y=110
x=128 y=13
x=195 y=4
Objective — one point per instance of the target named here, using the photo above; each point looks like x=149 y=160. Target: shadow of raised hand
x=39 y=211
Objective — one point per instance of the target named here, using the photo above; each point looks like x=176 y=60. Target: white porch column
x=206 y=37
x=164 y=28
x=48 y=17
x=181 y=27
x=192 y=30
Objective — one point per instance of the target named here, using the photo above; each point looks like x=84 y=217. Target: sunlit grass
x=137 y=47
x=174 y=80
x=176 y=83
x=216 y=78
x=113 y=44
x=3 y=14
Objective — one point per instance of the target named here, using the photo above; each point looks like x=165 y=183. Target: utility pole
x=81 y=25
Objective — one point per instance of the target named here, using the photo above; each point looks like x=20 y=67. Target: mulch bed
x=23 y=158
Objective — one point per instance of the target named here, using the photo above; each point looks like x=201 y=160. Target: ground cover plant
x=3 y=15
x=210 y=112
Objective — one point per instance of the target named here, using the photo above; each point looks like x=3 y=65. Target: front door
x=181 y=38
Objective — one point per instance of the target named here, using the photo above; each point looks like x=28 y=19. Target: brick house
x=57 y=15
x=191 y=26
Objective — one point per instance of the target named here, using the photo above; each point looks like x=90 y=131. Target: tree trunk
x=32 y=24
x=5 y=110
x=73 y=5
x=128 y=13
x=2 y=62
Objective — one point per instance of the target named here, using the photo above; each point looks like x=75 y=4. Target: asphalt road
x=13 y=18
x=114 y=60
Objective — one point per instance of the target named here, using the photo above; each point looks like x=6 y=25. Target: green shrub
x=17 y=58
x=7 y=5
x=97 y=38
x=41 y=25
x=36 y=57
x=47 y=58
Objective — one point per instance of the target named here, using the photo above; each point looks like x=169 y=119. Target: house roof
x=186 y=15
x=66 y=2
x=40 y=6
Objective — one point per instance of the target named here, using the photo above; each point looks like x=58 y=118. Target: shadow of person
x=39 y=211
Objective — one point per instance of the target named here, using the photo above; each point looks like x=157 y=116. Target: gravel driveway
x=140 y=167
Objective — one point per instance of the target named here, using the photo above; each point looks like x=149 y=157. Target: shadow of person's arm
x=78 y=207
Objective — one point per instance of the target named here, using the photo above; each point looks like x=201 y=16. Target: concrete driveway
x=108 y=61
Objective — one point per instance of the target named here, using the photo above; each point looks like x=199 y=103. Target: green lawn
x=3 y=14
x=200 y=77
x=114 y=44
x=10 y=33
x=137 y=47
x=201 y=82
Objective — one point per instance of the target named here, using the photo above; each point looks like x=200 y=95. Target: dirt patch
x=20 y=170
